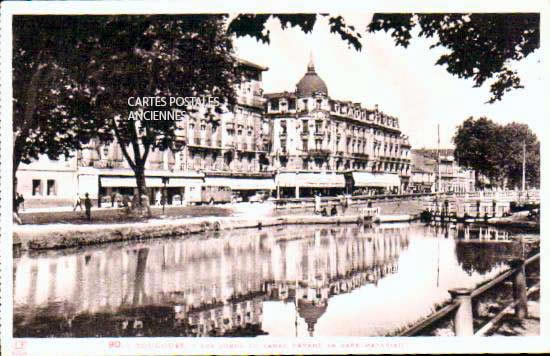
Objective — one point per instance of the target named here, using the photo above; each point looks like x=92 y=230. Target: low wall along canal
x=292 y=280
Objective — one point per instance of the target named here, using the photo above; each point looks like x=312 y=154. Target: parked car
x=259 y=196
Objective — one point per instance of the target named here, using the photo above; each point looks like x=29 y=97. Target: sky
x=404 y=82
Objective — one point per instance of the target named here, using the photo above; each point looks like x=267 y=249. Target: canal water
x=322 y=280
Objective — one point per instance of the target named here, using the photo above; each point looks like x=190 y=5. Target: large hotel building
x=294 y=144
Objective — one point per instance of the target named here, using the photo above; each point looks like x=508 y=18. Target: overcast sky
x=403 y=82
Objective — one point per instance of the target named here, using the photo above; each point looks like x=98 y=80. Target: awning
x=242 y=183
x=368 y=179
x=183 y=181
x=129 y=182
x=311 y=180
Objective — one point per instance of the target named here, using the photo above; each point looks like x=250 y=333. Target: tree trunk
x=140 y=181
x=26 y=125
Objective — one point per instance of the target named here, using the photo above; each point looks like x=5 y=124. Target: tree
x=481 y=46
x=512 y=138
x=49 y=116
x=497 y=151
x=154 y=56
x=71 y=86
x=254 y=25
x=476 y=146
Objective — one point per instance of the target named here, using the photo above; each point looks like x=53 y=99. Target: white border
x=250 y=345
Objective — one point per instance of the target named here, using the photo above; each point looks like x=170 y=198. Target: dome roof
x=310 y=312
x=310 y=83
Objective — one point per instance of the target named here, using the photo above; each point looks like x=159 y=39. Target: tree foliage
x=49 y=116
x=480 y=46
x=496 y=151
x=154 y=56
x=71 y=86
x=255 y=26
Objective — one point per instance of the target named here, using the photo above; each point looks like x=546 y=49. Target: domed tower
x=311 y=83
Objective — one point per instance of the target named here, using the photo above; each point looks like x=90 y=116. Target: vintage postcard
x=331 y=177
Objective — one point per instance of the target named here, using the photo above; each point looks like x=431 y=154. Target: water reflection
x=284 y=281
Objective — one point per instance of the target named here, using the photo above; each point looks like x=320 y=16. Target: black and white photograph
x=224 y=181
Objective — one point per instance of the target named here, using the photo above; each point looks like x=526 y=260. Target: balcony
x=107 y=164
x=318 y=153
x=360 y=155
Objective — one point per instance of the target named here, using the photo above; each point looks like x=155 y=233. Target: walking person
x=88 y=206
x=77 y=203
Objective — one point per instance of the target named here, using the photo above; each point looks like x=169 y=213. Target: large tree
x=71 y=86
x=496 y=151
x=154 y=56
x=49 y=116
x=477 y=146
x=512 y=139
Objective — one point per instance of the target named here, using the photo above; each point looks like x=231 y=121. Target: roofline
x=248 y=63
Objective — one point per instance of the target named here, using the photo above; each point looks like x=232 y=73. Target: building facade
x=293 y=143
x=322 y=145
x=431 y=164
x=229 y=149
x=423 y=173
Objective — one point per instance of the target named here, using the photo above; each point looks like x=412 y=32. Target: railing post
x=520 y=287
x=463 y=320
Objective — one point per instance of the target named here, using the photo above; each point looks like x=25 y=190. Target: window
x=304 y=145
x=203 y=127
x=36 y=187
x=292 y=104
x=191 y=126
x=230 y=132
x=239 y=132
x=51 y=187
x=318 y=126
x=275 y=104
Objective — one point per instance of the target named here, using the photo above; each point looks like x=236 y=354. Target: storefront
x=243 y=186
x=171 y=187
x=376 y=183
x=307 y=184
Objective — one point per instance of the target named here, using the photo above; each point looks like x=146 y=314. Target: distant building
x=423 y=173
x=454 y=178
x=327 y=146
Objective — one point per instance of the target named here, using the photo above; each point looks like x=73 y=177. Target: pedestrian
x=158 y=198
x=317 y=203
x=344 y=203
x=88 y=206
x=77 y=203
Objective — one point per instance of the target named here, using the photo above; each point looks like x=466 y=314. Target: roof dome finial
x=311 y=84
x=311 y=65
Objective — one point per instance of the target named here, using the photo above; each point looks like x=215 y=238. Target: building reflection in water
x=211 y=286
